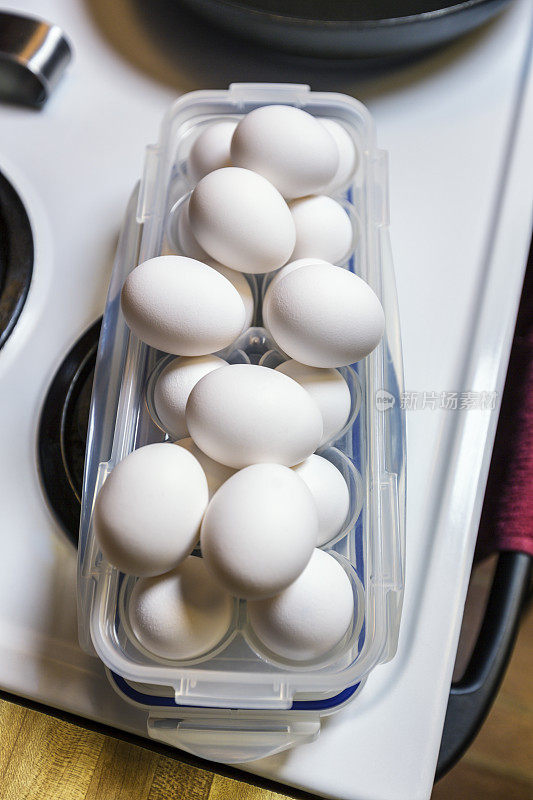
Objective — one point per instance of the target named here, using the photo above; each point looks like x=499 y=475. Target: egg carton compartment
x=188 y=139
x=179 y=239
x=255 y=346
x=239 y=644
x=273 y=357
x=369 y=451
x=191 y=132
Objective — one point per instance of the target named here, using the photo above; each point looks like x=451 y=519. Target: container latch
x=231 y=740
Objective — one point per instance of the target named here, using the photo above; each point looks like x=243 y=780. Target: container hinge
x=147 y=184
x=391 y=556
x=264 y=93
x=381 y=188
x=231 y=740
x=392 y=563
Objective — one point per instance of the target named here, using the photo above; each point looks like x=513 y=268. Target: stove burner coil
x=63 y=431
x=16 y=258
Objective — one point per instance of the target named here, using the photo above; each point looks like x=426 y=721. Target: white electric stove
x=458 y=126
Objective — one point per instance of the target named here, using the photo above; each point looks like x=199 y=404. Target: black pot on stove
x=366 y=29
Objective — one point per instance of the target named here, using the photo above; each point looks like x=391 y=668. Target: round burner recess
x=16 y=258
x=63 y=431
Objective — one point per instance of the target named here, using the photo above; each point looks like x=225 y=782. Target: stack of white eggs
x=243 y=475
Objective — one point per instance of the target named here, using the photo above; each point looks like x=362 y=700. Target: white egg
x=182 y=306
x=242 y=221
x=184 y=237
x=288 y=146
x=328 y=389
x=245 y=414
x=216 y=473
x=181 y=614
x=259 y=531
x=148 y=513
x=330 y=493
x=324 y=316
x=348 y=157
x=292 y=265
x=211 y=150
x=186 y=243
x=323 y=229
x=173 y=387
x=311 y=617
x=243 y=287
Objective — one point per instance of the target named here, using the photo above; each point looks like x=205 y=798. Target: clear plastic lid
x=370 y=451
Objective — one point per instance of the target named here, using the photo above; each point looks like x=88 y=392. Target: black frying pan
x=349 y=28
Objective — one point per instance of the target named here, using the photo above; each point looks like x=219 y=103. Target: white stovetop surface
x=447 y=123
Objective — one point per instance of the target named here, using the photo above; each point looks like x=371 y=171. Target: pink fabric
x=507 y=519
x=514 y=519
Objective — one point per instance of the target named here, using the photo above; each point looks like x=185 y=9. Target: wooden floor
x=42 y=758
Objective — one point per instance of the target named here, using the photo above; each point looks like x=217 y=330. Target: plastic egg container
x=200 y=695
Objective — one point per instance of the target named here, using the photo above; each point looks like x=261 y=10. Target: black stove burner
x=63 y=431
x=16 y=258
